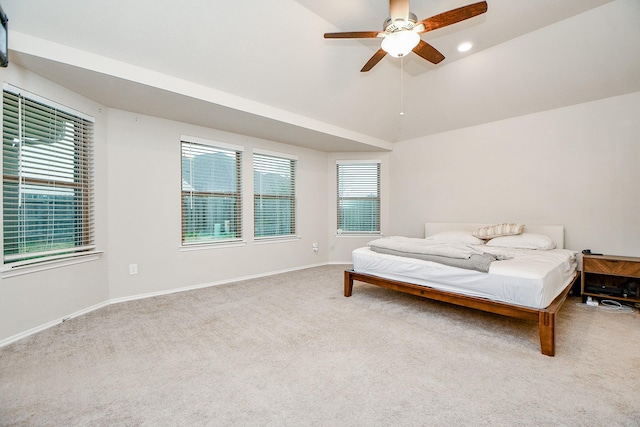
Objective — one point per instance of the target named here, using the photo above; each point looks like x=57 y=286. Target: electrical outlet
x=133 y=268
x=315 y=247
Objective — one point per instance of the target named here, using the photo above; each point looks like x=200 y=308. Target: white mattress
x=532 y=278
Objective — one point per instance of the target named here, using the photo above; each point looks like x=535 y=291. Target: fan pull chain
x=401 y=86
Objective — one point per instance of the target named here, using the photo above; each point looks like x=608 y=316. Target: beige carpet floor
x=290 y=350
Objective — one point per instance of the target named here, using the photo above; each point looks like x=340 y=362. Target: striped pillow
x=497 y=230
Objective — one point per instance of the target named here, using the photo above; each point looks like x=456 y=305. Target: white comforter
x=427 y=247
x=528 y=263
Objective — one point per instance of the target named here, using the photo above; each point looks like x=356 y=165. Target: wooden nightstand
x=611 y=277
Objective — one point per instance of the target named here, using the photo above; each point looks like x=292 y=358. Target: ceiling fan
x=401 y=33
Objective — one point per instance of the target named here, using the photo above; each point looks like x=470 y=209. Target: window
x=211 y=192
x=47 y=179
x=274 y=200
x=358 y=196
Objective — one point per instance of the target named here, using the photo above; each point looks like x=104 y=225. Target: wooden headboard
x=555 y=232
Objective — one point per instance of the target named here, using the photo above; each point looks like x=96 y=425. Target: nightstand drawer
x=613 y=267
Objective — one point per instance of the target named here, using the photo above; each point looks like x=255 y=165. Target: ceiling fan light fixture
x=401 y=31
x=400 y=43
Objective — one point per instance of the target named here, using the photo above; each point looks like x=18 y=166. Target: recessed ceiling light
x=463 y=47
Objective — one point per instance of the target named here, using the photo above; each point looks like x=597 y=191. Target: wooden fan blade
x=428 y=52
x=353 y=35
x=374 y=60
x=453 y=16
x=399 y=9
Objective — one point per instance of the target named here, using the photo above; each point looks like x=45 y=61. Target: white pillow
x=464 y=237
x=523 y=241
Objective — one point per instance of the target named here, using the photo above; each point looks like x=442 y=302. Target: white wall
x=29 y=301
x=577 y=166
x=144 y=211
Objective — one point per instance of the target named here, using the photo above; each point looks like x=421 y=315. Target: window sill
x=359 y=235
x=275 y=239
x=9 y=270
x=207 y=246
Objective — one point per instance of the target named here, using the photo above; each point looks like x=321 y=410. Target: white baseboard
x=48 y=325
x=103 y=304
x=207 y=285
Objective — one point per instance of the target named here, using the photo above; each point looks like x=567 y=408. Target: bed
x=528 y=284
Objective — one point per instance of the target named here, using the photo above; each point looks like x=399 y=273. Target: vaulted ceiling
x=262 y=68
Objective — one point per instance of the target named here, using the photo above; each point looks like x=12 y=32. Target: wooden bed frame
x=546 y=317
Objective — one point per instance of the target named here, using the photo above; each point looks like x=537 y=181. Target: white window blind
x=274 y=188
x=211 y=193
x=47 y=179
x=358 y=197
